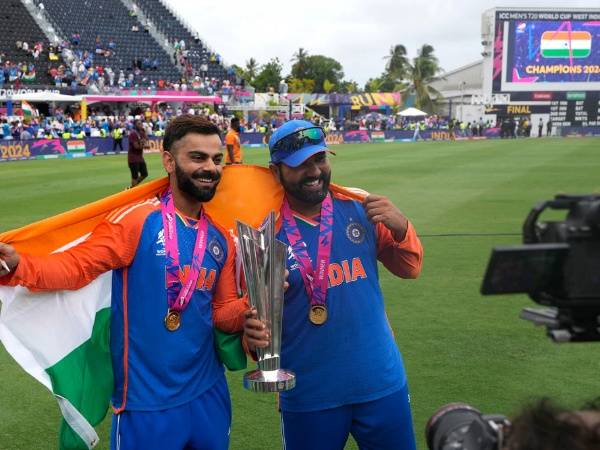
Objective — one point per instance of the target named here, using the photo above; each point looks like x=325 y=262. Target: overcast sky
x=358 y=33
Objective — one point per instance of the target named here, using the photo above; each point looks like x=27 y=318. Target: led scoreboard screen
x=550 y=56
x=546 y=51
x=577 y=110
x=553 y=52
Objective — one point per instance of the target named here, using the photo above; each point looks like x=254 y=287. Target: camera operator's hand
x=9 y=257
x=381 y=209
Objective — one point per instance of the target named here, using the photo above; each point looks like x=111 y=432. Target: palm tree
x=374 y=84
x=251 y=70
x=424 y=70
x=398 y=63
x=299 y=66
x=299 y=56
x=414 y=78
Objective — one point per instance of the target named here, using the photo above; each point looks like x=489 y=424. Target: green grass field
x=463 y=198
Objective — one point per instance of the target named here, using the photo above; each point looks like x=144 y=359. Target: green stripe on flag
x=84 y=377
x=564 y=53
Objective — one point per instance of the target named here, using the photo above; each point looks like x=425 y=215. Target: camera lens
x=458 y=426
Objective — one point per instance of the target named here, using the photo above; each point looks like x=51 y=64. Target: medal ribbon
x=314 y=282
x=179 y=296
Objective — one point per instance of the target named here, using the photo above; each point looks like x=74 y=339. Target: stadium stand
x=113 y=37
x=197 y=54
x=18 y=27
x=105 y=45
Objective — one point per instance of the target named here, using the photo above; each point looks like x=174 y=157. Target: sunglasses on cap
x=300 y=139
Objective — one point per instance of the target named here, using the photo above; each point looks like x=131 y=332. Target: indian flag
x=76 y=146
x=564 y=44
x=61 y=338
x=27 y=109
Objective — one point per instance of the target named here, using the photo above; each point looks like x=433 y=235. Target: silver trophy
x=263 y=259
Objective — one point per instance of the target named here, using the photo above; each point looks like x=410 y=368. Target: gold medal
x=172 y=320
x=318 y=314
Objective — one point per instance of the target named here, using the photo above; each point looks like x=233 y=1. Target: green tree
x=348 y=87
x=328 y=86
x=251 y=70
x=299 y=60
x=269 y=76
x=321 y=68
x=300 y=86
x=425 y=70
x=398 y=65
x=410 y=77
x=239 y=71
x=383 y=83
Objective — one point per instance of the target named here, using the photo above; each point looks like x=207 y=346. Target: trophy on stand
x=263 y=259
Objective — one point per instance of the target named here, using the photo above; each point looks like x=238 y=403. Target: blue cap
x=296 y=141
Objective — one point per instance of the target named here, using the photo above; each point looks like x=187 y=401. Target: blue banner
x=12 y=150
x=579 y=131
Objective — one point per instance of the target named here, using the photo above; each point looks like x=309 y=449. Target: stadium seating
x=16 y=24
x=110 y=20
x=169 y=25
x=103 y=21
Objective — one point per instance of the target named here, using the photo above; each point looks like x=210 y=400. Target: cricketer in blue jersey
x=350 y=375
x=170 y=391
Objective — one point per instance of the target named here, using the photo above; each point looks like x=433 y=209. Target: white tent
x=412 y=112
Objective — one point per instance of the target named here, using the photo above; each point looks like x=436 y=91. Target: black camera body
x=558 y=266
x=460 y=426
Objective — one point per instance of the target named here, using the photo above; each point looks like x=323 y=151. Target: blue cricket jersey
x=352 y=357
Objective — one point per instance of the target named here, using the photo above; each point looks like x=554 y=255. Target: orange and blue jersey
x=352 y=357
x=154 y=369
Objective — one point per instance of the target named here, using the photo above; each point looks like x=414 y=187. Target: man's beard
x=186 y=184
x=312 y=198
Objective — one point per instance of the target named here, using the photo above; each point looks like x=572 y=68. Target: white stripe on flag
x=560 y=44
x=71 y=316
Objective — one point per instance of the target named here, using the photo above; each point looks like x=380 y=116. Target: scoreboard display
x=583 y=111
x=550 y=58
x=546 y=51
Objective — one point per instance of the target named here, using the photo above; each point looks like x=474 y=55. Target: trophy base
x=269 y=380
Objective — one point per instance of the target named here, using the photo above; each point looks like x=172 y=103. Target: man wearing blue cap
x=336 y=337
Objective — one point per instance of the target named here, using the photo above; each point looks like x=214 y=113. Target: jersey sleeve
x=111 y=245
x=228 y=308
x=401 y=257
x=229 y=139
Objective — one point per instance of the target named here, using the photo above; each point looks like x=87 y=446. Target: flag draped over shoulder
x=61 y=337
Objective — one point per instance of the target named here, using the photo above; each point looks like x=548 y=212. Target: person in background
x=545 y=425
x=233 y=153
x=117 y=135
x=135 y=154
